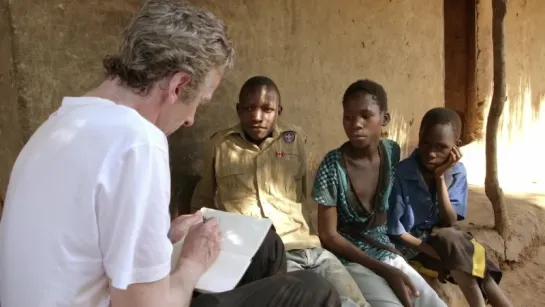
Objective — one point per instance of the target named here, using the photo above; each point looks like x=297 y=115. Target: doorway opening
x=460 y=58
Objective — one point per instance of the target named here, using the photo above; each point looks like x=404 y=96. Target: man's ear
x=237 y=107
x=178 y=84
x=385 y=119
x=280 y=109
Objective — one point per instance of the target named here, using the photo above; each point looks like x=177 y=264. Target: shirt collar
x=237 y=129
x=411 y=171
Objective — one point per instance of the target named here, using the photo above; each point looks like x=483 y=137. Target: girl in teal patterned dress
x=352 y=187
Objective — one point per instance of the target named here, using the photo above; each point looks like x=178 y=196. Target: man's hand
x=180 y=225
x=454 y=156
x=401 y=284
x=202 y=245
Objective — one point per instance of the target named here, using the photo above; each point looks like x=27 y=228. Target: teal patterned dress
x=332 y=188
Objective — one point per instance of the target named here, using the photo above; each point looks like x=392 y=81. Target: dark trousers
x=269 y=260
x=266 y=283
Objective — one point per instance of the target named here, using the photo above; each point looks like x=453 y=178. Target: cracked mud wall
x=313 y=50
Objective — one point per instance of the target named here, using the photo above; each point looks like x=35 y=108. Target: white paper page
x=224 y=274
x=241 y=234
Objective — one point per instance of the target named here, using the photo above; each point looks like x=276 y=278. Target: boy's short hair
x=369 y=87
x=442 y=116
x=257 y=82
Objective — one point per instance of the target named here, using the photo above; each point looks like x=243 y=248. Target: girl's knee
x=429 y=297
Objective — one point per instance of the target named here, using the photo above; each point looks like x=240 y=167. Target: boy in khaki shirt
x=258 y=168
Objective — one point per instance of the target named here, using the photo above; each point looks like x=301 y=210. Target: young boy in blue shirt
x=428 y=198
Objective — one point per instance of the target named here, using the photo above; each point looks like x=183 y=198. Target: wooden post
x=499 y=96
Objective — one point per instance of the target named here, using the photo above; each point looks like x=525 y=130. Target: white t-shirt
x=87 y=201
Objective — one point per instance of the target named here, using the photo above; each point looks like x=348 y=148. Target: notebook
x=242 y=237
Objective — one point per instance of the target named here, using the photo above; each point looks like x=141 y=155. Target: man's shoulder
x=107 y=122
x=134 y=130
x=221 y=135
x=283 y=126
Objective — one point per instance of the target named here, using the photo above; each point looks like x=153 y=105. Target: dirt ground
x=525 y=284
x=522 y=257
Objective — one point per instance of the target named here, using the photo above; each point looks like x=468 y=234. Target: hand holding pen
x=202 y=243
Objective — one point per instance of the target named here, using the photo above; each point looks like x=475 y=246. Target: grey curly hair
x=166 y=37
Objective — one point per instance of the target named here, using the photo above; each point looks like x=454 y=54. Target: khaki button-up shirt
x=267 y=181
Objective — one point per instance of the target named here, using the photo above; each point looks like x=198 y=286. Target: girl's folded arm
x=333 y=241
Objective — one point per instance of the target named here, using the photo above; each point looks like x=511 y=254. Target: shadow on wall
x=187 y=146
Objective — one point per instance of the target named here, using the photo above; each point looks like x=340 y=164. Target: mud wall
x=312 y=49
x=10 y=129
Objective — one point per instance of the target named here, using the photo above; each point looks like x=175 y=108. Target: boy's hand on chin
x=454 y=157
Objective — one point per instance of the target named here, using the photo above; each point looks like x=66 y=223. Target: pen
x=206 y=219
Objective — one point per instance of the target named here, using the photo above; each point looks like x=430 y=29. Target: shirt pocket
x=235 y=181
x=289 y=165
x=287 y=176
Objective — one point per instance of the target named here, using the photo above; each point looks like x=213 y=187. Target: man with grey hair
x=86 y=215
